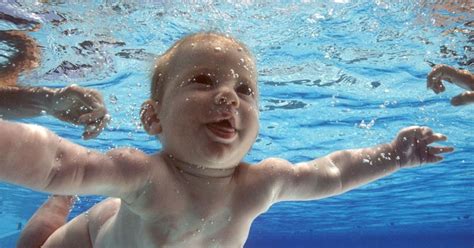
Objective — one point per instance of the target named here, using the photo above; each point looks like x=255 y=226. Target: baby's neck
x=197 y=170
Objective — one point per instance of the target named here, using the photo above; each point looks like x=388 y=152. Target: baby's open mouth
x=222 y=129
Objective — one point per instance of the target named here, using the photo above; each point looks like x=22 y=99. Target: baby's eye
x=245 y=90
x=202 y=79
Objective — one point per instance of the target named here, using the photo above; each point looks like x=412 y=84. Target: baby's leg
x=82 y=231
x=47 y=219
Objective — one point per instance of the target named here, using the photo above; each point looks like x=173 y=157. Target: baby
x=195 y=192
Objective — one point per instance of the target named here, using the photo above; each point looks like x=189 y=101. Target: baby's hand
x=81 y=106
x=412 y=146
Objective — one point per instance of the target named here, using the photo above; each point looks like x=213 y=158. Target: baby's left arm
x=344 y=170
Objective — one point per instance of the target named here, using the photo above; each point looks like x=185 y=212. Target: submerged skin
x=462 y=78
x=73 y=104
x=195 y=192
x=47 y=219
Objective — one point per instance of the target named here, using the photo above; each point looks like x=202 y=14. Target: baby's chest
x=200 y=221
x=206 y=228
x=200 y=205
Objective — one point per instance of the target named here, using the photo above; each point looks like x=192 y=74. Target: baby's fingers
x=435 y=138
x=433 y=150
x=434 y=158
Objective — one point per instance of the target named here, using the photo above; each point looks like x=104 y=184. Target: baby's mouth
x=222 y=129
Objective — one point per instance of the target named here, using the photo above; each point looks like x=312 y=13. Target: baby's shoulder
x=128 y=152
x=268 y=164
x=128 y=155
x=274 y=162
x=264 y=170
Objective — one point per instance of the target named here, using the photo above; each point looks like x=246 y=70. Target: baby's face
x=209 y=112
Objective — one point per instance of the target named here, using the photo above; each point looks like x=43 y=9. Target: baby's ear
x=149 y=117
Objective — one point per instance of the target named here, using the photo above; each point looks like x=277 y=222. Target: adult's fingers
x=88 y=97
x=93 y=129
x=433 y=80
x=90 y=132
x=96 y=114
x=439 y=87
x=436 y=85
x=463 y=98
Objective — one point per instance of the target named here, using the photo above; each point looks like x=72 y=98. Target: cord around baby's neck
x=197 y=170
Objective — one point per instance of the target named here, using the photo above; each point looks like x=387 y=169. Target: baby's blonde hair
x=161 y=70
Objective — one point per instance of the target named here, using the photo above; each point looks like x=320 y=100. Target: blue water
x=332 y=74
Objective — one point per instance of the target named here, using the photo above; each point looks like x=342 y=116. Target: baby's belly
x=184 y=225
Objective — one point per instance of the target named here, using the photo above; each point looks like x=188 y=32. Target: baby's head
x=204 y=101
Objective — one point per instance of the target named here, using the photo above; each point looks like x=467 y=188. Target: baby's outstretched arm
x=410 y=148
x=461 y=78
x=72 y=104
x=34 y=157
x=341 y=171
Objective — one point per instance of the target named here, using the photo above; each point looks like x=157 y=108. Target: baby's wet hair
x=161 y=69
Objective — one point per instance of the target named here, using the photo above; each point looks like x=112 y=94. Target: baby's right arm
x=35 y=157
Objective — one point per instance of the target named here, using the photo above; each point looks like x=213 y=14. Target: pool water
x=332 y=75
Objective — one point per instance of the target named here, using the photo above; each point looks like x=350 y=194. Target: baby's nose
x=226 y=97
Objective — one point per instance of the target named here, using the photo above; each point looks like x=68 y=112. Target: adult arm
x=461 y=78
x=72 y=104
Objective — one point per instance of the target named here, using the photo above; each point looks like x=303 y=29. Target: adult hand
x=461 y=78
x=81 y=106
x=435 y=77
